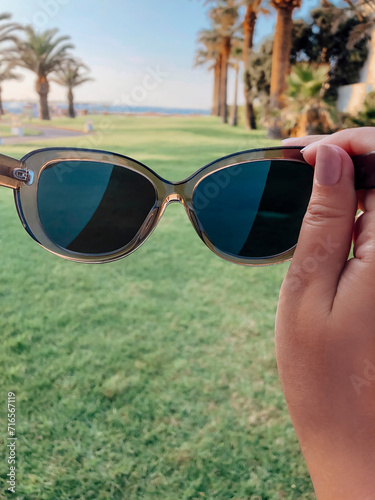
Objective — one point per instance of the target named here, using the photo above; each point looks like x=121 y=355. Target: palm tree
x=235 y=61
x=42 y=53
x=306 y=112
x=365 y=12
x=253 y=8
x=71 y=74
x=210 y=54
x=366 y=116
x=7 y=29
x=224 y=16
x=281 y=56
x=330 y=41
x=6 y=73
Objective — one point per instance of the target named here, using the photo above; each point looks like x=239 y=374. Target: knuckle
x=318 y=212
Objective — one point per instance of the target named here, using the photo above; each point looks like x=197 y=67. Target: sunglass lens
x=255 y=209
x=93 y=208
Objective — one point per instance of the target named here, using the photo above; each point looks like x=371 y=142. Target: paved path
x=48 y=133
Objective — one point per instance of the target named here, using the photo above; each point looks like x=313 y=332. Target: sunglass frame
x=165 y=192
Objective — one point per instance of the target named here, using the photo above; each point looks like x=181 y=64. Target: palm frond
x=43 y=52
x=71 y=73
x=360 y=32
x=8 y=29
x=7 y=71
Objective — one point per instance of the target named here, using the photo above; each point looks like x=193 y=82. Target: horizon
x=63 y=102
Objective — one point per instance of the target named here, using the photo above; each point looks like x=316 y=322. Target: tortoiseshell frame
x=166 y=192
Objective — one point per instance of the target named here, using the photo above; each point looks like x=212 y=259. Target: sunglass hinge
x=23 y=174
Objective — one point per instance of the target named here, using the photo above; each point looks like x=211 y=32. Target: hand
x=325 y=323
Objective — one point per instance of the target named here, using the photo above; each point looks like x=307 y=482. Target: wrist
x=340 y=470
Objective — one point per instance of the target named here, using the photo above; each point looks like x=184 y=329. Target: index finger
x=302 y=141
x=355 y=141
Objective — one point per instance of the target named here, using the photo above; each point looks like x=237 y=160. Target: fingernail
x=309 y=146
x=328 y=165
x=289 y=139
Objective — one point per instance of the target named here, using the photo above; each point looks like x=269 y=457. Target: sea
x=32 y=109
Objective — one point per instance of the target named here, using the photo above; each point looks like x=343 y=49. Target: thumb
x=326 y=233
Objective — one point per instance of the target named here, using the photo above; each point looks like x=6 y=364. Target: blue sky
x=140 y=52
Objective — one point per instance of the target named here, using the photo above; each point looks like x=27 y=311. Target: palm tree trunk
x=216 y=95
x=249 y=27
x=219 y=85
x=280 y=65
x=1 y=102
x=224 y=80
x=42 y=88
x=234 y=111
x=43 y=107
x=281 y=56
x=72 y=113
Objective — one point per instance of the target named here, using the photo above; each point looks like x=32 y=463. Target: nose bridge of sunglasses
x=174 y=193
x=173 y=198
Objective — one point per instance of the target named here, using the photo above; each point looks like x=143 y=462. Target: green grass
x=152 y=377
x=5 y=131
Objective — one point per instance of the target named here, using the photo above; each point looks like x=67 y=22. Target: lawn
x=5 y=131
x=153 y=377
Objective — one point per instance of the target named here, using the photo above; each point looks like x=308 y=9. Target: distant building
x=351 y=97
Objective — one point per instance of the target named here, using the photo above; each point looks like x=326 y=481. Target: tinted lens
x=93 y=208
x=254 y=209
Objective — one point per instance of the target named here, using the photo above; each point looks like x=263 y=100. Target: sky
x=140 y=52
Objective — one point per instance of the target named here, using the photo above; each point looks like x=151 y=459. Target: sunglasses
x=95 y=206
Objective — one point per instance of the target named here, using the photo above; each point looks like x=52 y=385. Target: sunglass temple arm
x=364 y=168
